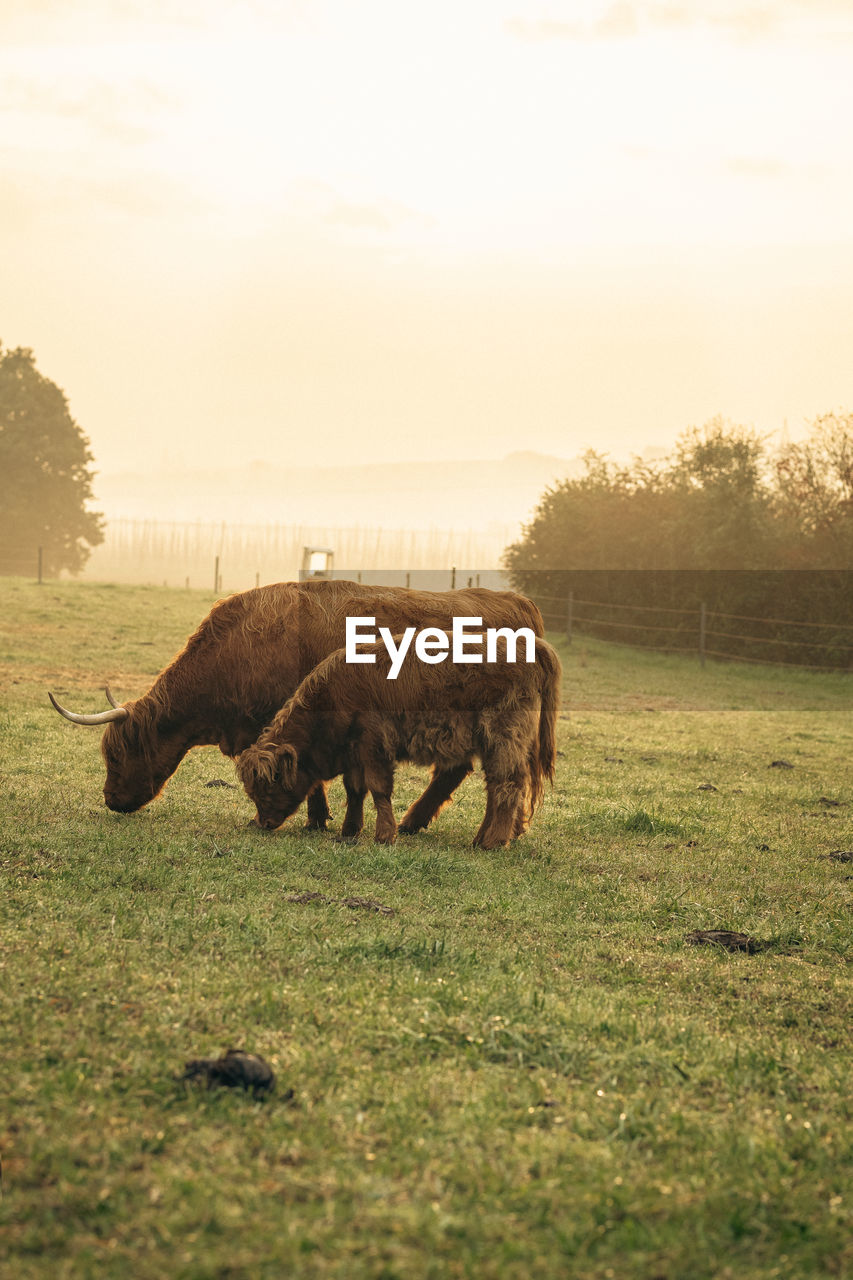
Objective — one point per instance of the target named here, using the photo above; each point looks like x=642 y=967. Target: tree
x=724 y=499
x=814 y=492
x=45 y=479
x=720 y=524
x=708 y=507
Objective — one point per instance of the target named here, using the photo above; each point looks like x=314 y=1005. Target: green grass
x=524 y=1071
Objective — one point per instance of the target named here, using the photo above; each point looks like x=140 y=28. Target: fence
x=703 y=632
x=232 y=557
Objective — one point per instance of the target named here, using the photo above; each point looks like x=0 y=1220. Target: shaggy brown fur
x=353 y=720
x=247 y=658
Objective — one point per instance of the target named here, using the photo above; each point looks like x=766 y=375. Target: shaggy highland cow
x=354 y=720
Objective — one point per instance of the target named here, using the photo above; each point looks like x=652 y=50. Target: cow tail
x=550 y=693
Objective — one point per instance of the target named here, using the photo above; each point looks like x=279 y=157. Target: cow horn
x=110 y=699
x=101 y=717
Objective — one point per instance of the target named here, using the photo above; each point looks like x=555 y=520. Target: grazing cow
x=247 y=658
x=356 y=721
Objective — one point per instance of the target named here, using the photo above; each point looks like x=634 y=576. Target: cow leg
x=488 y=817
x=524 y=811
x=354 y=817
x=505 y=792
x=444 y=782
x=521 y=822
x=318 y=808
x=379 y=780
x=386 y=827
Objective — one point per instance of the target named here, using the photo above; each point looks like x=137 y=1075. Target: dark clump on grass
x=727 y=939
x=235 y=1069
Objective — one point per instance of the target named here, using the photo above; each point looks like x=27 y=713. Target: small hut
x=317 y=562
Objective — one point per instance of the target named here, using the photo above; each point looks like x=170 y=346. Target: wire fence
x=227 y=558
x=704 y=632
x=232 y=557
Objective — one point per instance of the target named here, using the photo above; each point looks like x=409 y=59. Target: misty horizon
x=578 y=242
x=467 y=494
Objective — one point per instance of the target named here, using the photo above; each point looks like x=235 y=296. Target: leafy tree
x=719 y=524
x=708 y=507
x=720 y=481
x=45 y=479
x=814 y=493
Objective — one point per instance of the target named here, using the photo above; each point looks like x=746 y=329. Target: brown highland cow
x=247 y=658
x=353 y=720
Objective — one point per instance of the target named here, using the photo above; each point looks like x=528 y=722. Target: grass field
x=521 y=1071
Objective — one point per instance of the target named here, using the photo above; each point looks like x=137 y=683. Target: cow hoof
x=410 y=831
x=342 y=839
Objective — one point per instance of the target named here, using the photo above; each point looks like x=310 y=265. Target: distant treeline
x=762 y=540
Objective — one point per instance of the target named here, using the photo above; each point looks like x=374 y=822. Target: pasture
x=505 y=1064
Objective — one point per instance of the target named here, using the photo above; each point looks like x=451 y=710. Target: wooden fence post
x=216 y=575
x=702 y=623
x=453 y=577
x=569 y=604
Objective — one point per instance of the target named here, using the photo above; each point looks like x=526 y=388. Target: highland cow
x=352 y=720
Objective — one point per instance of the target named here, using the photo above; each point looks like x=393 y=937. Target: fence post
x=216 y=575
x=569 y=604
x=408 y=580
x=453 y=577
x=41 y=563
x=702 y=622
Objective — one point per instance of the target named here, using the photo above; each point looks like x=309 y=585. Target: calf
x=352 y=719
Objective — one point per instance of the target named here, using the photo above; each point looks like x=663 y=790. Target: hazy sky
x=333 y=231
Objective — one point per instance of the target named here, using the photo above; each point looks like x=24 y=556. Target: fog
x=473 y=493
x=173 y=525
x=347 y=266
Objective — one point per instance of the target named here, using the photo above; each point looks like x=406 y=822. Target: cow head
x=139 y=759
x=274 y=781
x=137 y=768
